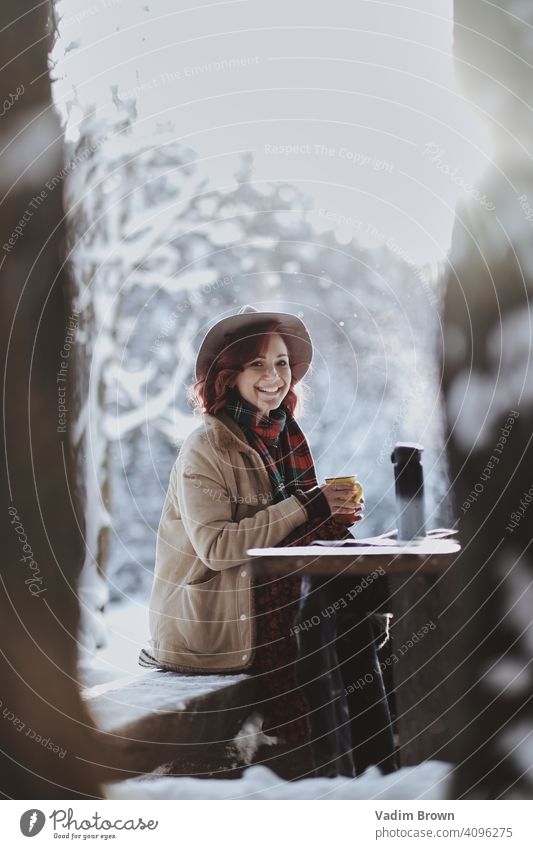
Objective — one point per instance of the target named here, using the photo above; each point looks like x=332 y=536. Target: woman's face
x=266 y=380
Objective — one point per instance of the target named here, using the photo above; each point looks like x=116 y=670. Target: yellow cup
x=356 y=497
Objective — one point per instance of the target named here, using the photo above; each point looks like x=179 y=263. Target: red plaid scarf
x=279 y=428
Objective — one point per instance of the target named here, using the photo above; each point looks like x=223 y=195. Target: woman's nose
x=271 y=370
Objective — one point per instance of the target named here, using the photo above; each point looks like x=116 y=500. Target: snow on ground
x=250 y=737
x=127 y=634
x=426 y=781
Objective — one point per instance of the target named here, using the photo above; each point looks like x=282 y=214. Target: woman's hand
x=346 y=512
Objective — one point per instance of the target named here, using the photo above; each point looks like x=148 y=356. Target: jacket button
x=244 y=657
x=243 y=616
x=244 y=573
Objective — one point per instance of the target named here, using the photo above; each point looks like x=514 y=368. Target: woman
x=245 y=479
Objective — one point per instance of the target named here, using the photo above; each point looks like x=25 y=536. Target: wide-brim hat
x=296 y=333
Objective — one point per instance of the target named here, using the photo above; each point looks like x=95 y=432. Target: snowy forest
x=162 y=244
x=370 y=173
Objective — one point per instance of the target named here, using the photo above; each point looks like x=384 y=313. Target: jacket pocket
x=205 y=613
x=204 y=577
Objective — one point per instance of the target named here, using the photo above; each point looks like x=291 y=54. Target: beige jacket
x=218 y=505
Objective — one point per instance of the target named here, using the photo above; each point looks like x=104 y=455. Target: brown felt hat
x=297 y=335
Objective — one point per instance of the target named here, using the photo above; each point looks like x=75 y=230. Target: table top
x=426 y=555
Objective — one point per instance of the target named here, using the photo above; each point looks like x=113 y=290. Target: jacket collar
x=224 y=433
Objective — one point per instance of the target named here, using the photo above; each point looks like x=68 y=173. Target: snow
x=250 y=737
x=515 y=572
x=469 y=401
x=123 y=692
x=329 y=234
x=425 y=781
x=119 y=692
x=517 y=740
x=93 y=594
x=126 y=634
x=508 y=674
x=156 y=214
x=121 y=702
x=146 y=222
x=188 y=280
x=247 y=90
x=477 y=401
x=30 y=149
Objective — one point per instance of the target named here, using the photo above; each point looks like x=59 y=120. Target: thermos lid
x=404 y=451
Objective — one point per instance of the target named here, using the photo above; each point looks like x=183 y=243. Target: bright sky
x=355 y=102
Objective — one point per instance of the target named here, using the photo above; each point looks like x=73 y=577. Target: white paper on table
x=387 y=539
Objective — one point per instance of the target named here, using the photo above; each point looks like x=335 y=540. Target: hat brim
x=298 y=339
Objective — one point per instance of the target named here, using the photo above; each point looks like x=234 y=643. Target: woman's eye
x=259 y=363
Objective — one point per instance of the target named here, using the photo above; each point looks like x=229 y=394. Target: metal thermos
x=409 y=481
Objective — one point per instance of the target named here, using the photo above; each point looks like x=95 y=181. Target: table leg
x=419 y=666
x=339 y=675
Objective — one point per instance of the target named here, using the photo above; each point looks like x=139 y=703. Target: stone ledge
x=185 y=725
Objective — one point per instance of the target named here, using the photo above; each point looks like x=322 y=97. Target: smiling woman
x=246 y=479
x=265 y=380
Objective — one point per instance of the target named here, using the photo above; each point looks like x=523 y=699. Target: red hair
x=212 y=390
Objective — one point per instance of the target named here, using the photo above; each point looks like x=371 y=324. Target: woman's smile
x=273 y=391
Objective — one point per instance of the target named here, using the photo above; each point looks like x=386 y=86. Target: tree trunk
x=48 y=747
x=489 y=400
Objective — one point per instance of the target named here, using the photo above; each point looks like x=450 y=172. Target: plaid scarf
x=279 y=428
